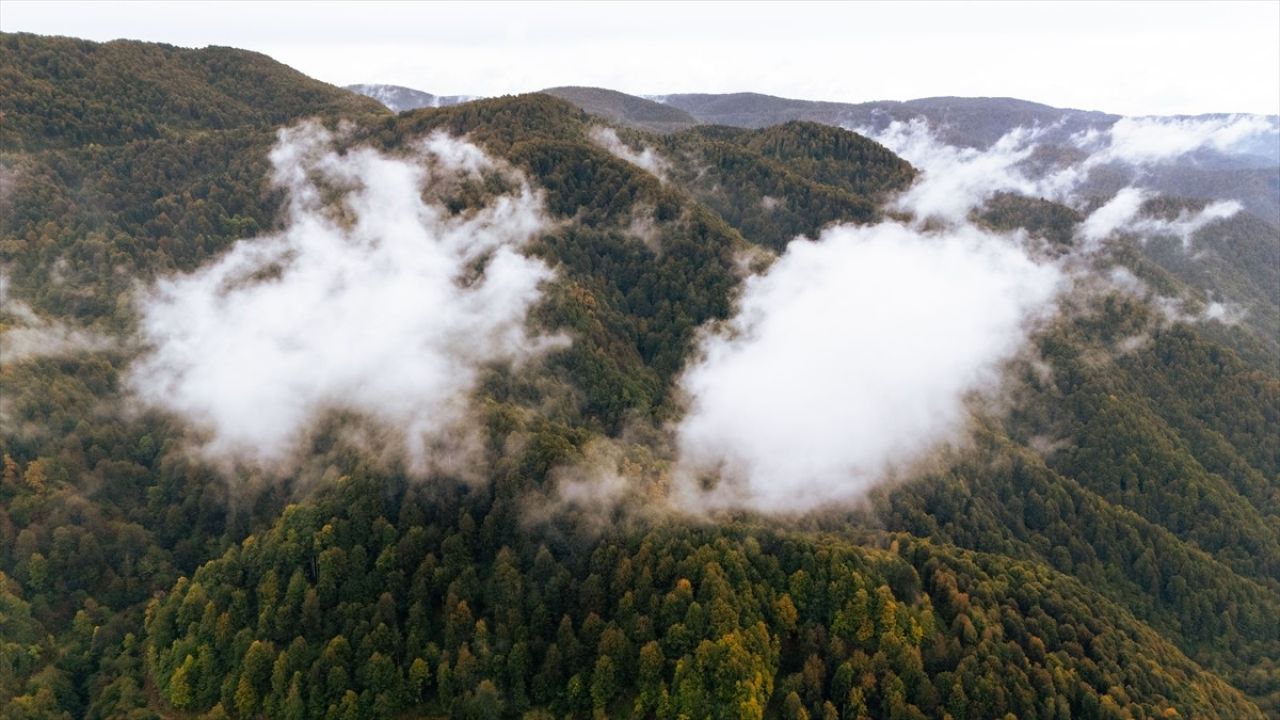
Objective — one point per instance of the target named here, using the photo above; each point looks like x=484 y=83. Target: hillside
x=1250 y=173
x=627 y=110
x=1102 y=542
x=399 y=99
x=974 y=122
x=67 y=93
x=965 y=121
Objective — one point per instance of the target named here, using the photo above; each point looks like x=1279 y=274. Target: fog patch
x=1123 y=213
x=25 y=335
x=647 y=158
x=1148 y=140
x=855 y=357
x=955 y=180
x=644 y=227
x=376 y=302
x=852 y=356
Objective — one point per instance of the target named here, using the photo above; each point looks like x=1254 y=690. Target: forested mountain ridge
x=398 y=98
x=623 y=109
x=1131 y=569
x=63 y=92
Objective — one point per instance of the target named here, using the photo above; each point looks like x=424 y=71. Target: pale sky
x=1131 y=58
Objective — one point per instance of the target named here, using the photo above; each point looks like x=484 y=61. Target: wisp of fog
x=855 y=355
x=382 y=303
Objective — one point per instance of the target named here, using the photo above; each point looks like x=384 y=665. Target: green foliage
x=1130 y=565
x=62 y=92
x=1041 y=218
x=795 y=179
x=912 y=629
x=627 y=110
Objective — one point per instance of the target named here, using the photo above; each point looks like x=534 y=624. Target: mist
x=25 y=335
x=1145 y=140
x=957 y=180
x=647 y=159
x=1123 y=213
x=863 y=353
x=382 y=304
x=850 y=357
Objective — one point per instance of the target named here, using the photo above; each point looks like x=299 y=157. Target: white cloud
x=855 y=355
x=386 y=308
x=27 y=335
x=1123 y=212
x=1225 y=313
x=850 y=356
x=1118 y=212
x=955 y=180
x=648 y=159
x=1147 y=140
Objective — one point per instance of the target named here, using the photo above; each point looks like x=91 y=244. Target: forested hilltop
x=1105 y=545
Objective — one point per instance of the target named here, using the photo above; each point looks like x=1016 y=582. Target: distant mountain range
x=970 y=122
x=1250 y=174
x=400 y=99
x=637 y=112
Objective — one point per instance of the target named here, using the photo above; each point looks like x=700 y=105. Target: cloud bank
x=375 y=300
x=1146 y=140
x=1123 y=212
x=850 y=356
x=957 y=180
x=858 y=354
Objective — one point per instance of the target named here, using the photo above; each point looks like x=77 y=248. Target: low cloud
x=24 y=334
x=648 y=159
x=1123 y=213
x=375 y=301
x=851 y=356
x=856 y=356
x=956 y=180
x=1148 y=140
x=1225 y=313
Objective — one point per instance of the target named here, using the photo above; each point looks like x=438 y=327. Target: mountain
x=1249 y=173
x=62 y=92
x=399 y=99
x=628 y=110
x=976 y=122
x=1104 y=544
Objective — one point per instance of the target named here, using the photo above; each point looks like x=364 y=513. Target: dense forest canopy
x=1101 y=541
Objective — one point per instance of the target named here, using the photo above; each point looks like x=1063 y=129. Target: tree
x=180 y=685
x=419 y=677
x=246 y=698
x=36 y=475
x=604 y=683
x=294 y=708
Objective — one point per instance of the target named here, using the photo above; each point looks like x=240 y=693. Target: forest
x=1131 y=570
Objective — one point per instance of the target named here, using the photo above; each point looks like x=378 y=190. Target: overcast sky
x=1132 y=58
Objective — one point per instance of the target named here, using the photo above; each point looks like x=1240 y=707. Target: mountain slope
x=975 y=122
x=399 y=99
x=1106 y=547
x=628 y=110
x=1250 y=173
x=62 y=92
